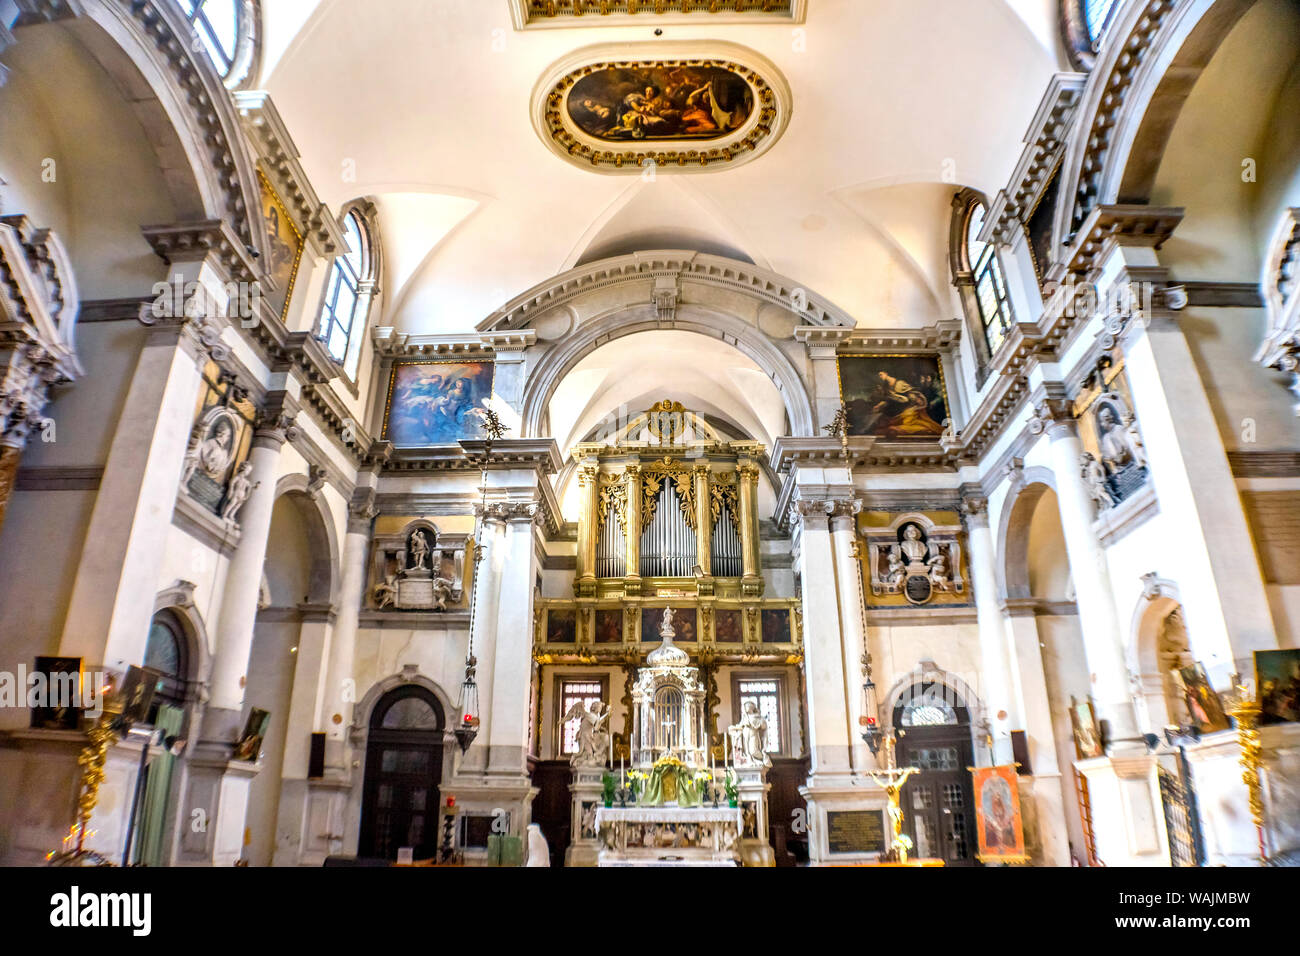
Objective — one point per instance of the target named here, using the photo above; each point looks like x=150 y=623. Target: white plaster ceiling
x=895 y=103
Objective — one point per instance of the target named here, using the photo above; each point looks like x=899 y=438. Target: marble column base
x=830 y=793
x=500 y=796
x=587 y=791
x=1127 y=814
x=311 y=823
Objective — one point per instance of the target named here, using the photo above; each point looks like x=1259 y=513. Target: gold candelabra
x=1247 y=713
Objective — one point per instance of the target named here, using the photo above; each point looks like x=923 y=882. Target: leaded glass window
x=346 y=304
x=216 y=26
x=585 y=692
x=990 y=284
x=767 y=695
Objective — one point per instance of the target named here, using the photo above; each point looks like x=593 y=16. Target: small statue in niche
x=385 y=592
x=1094 y=477
x=419 y=551
x=238 y=491
x=897 y=570
x=588 y=821
x=1134 y=438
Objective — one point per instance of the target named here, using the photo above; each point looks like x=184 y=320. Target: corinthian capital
x=1053 y=413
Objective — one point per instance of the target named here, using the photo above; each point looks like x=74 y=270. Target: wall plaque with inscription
x=855 y=831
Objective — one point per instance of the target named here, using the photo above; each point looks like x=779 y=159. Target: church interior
x=638 y=433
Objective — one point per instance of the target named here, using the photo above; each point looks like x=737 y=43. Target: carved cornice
x=1113 y=224
x=390 y=343
x=931 y=338
x=1044 y=145
x=280 y=160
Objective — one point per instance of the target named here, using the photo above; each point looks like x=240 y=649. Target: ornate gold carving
x=666 y=420
x=613 y=491
x=723 y=491
x=655 y=475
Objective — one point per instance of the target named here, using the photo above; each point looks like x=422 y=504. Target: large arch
x=1154 y=54
x=322 y=537
x=1012 y=570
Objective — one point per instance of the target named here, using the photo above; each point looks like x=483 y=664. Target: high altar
x=679 y=814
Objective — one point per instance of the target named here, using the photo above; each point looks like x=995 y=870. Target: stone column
x=848 y=579
x=996 y=684
x=244 y=576
x=112 y=598
x=340 y=687
x=589 y=490
x=512 y=670
x=703 y=520
x=747 y=491
x=633 y=536
x=486 y=584
x=1102 y=638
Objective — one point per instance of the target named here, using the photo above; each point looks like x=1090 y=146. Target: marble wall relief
x=1114 y=460
x=719 y=105
x=215 y=471
x=912 y=559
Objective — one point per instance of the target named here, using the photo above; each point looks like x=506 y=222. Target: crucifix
x=891 y=780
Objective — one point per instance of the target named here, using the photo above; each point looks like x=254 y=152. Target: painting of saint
x=894 y=396
x=660 y=102
x=562 y=626
x=609 y=626
x=997 y=797
x=776 y=626
x=1277 y=677
x=1203 y=704
x=684 y=626
x=284 y=247
x=437 y=403
x=726 y=627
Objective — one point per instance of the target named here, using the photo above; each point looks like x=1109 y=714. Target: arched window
x=990 y=285
x=348 y=294
x=216 y=24
x=1096 y=16
x=166 y=651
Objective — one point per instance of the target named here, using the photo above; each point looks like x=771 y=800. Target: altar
x=669 y=836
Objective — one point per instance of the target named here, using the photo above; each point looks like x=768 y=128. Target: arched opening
x=299 y=572
x=933 y=726
x=400 y=794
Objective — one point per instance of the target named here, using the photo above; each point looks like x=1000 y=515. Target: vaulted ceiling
x=426 y=108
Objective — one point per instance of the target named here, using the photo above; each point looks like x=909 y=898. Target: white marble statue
x=666 y=627
x=385 y=592
x=914 y=547
x=238 y=491
x=441 y=592
x=593 y=736
x=1112 y=440
x=1094 y=476
x=939 y=571
x=1134 y=438
x=419 y=551
x=897 y=570
x=749 y=739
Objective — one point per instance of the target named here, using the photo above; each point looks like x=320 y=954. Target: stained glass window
x=990 y=284
x=767 y=695
x=572 y=692
x=343 y=310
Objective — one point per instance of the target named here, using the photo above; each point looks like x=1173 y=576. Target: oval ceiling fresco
x=691 y=112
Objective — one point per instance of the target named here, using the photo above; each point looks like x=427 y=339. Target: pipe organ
x=657 y=516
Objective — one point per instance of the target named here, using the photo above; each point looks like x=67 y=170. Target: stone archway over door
x=400 y=793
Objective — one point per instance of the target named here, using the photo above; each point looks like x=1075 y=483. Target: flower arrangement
x=901 y=846
x=730 y=786
x=636 y=782
x=608 y=784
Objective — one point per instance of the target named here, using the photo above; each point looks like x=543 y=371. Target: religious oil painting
x=648 y=101
x=684 y=624
x=894 y=397
x=997 y=809
x=1203 y=704
x=284 y=247
x=437 y=403
x=1087 y=734
x=1277 y=679
x=776 y=626
x=562 y=626
x=727 y=627
x=609 y=626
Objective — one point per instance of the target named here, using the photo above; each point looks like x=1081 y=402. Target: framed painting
x=660 y=102
x=894 y=397
x=1203 y=704
x=685 y=628
x=562 y=626
x=436 y=403
x=249 y=746
x=61 y=677
x=1087 y=735
x=284 y=245
x=776 y=626
x=609 y=626
x=727 y=627
x=1277 y=679
x=997 y=815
